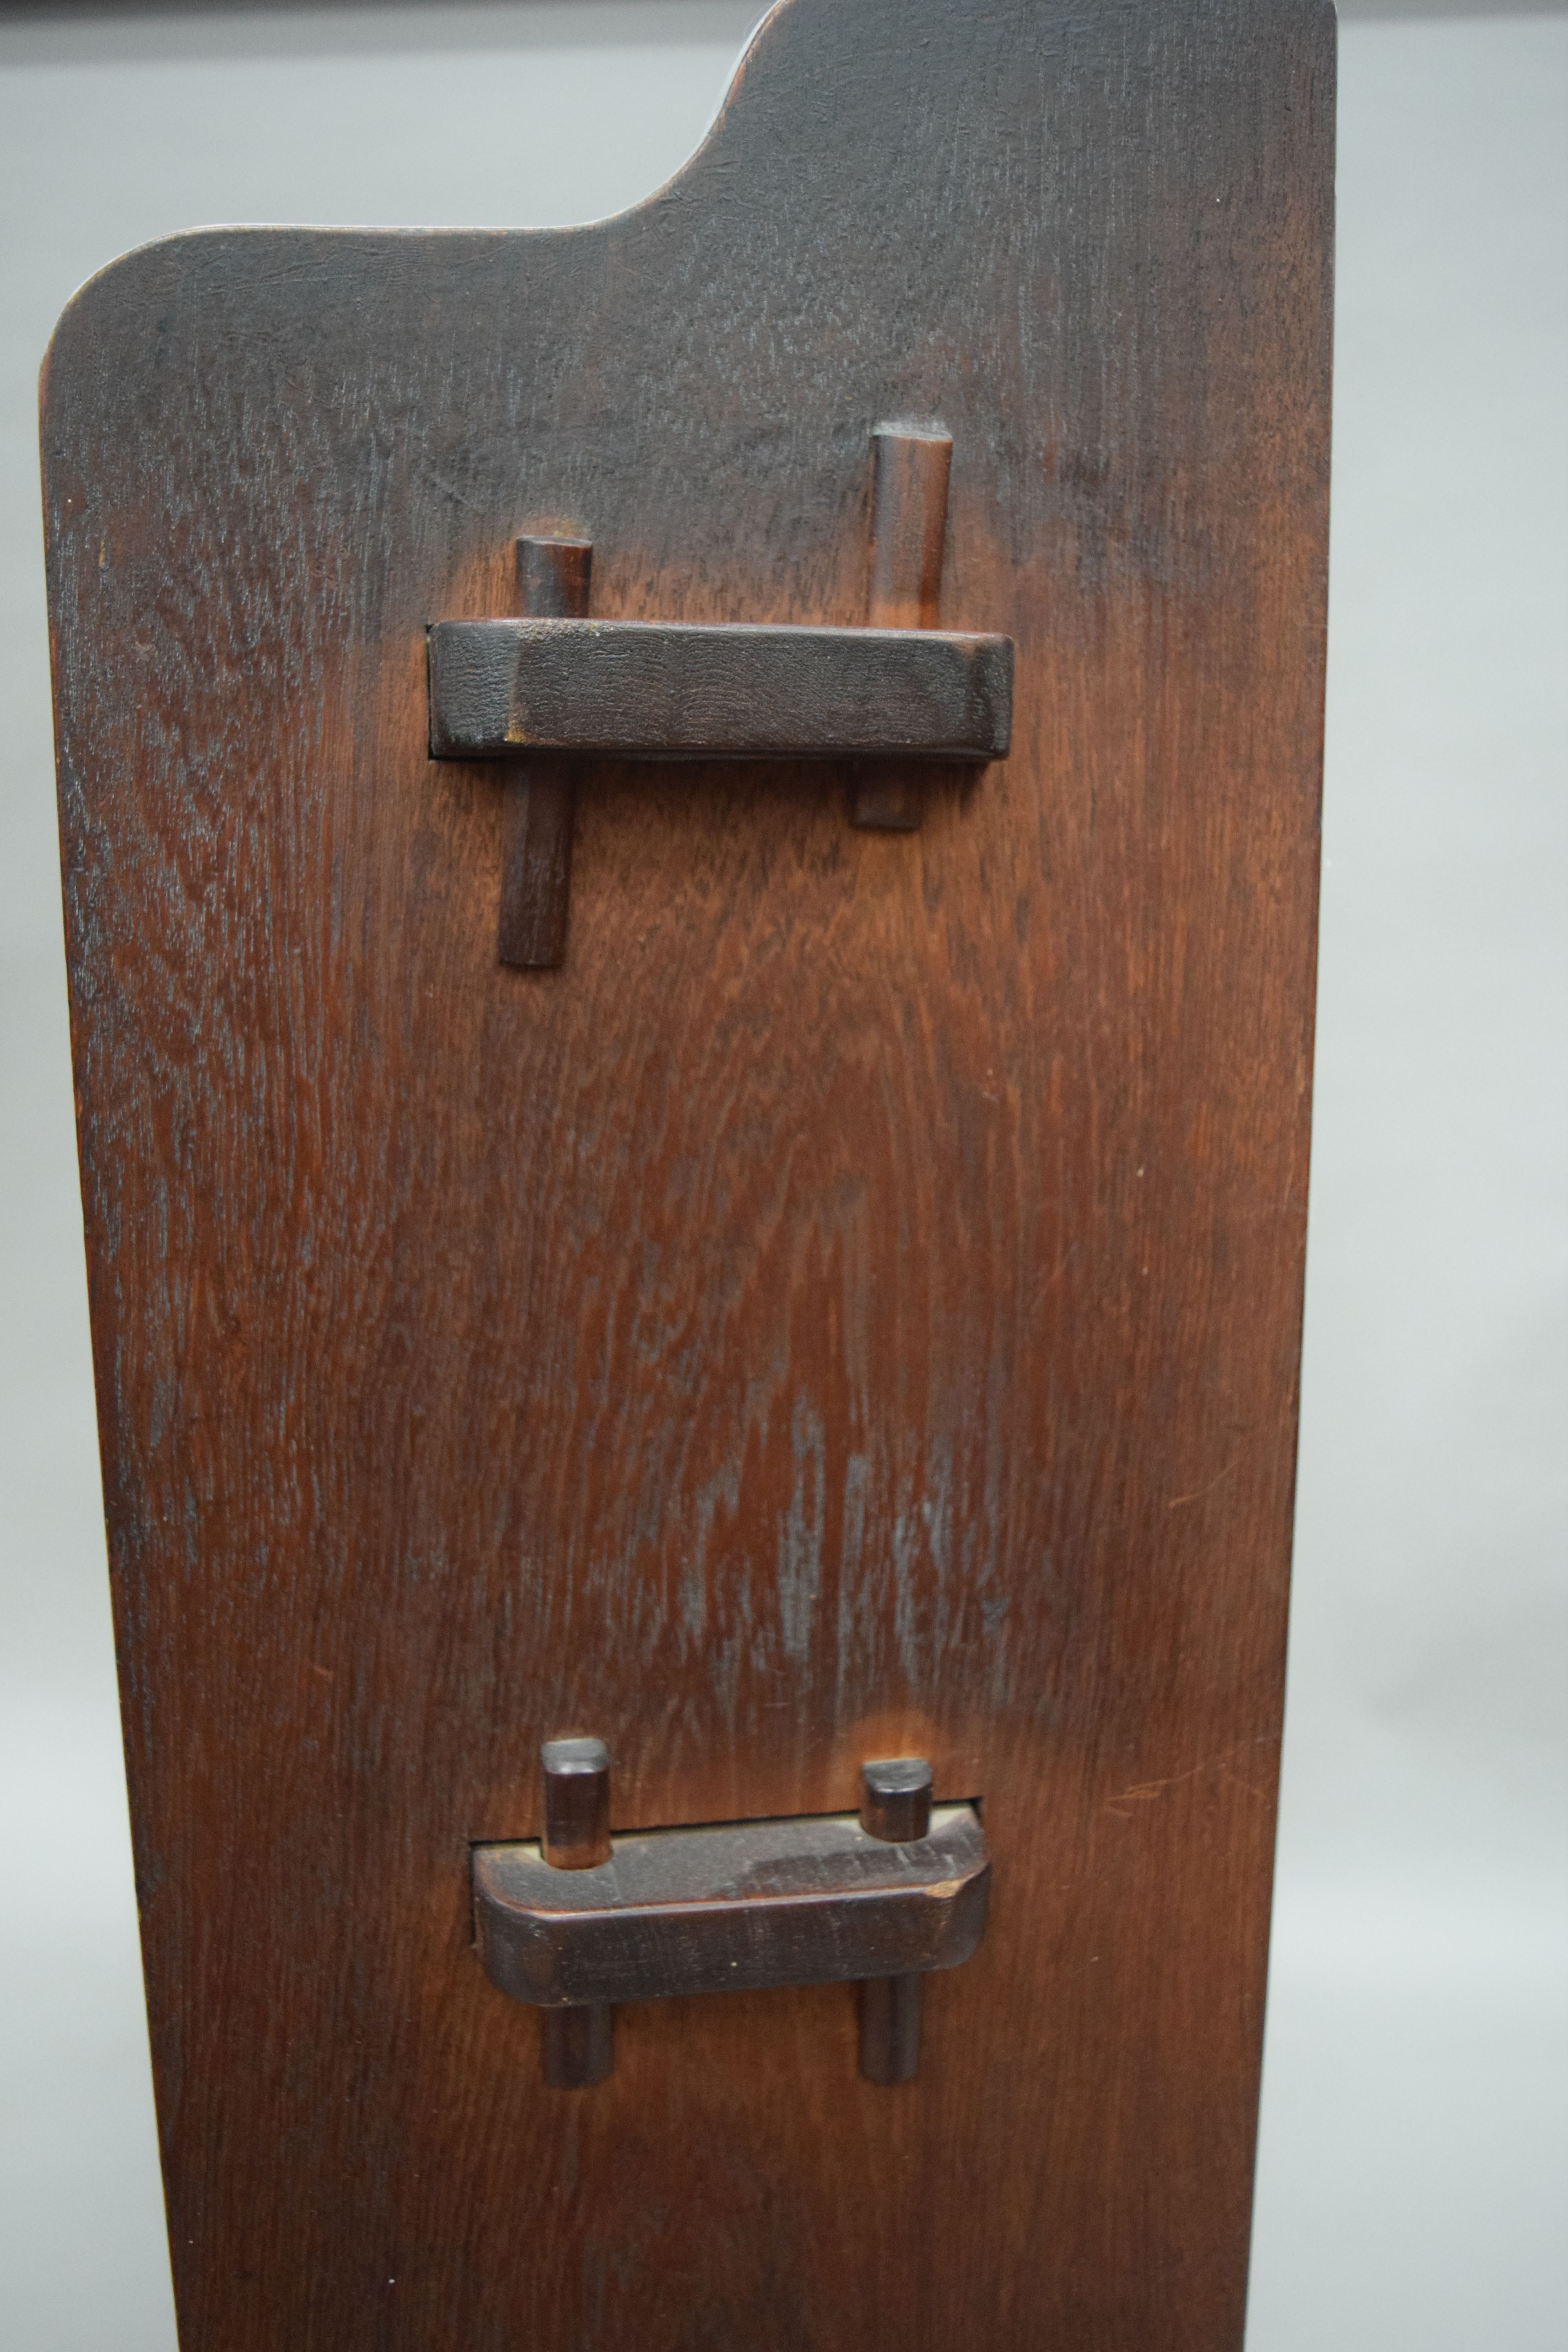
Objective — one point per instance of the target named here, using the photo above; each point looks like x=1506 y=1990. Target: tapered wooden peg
x=895 y=1807
x=579 y=2042
x=908 y=531
x=576 y=1803
x=553 y=584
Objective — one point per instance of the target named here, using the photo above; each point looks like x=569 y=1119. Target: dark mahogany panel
x=850 y=1308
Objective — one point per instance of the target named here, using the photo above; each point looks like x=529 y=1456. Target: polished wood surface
x=850 y=1308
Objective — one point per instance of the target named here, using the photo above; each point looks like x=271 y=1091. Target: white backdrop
x=1413 y=2177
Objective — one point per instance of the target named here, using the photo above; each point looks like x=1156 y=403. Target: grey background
x=1413 y=2179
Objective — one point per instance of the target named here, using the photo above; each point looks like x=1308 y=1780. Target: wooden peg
x=895 y=1798
x=579 y=2047
x=576 y=1803
x=909 y=529
x=553 y=584
x=895 y=1806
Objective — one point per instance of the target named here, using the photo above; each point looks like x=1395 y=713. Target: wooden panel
x=850 y=1308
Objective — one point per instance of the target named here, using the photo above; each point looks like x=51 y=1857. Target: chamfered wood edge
x=737 y=1907
x=648 y=689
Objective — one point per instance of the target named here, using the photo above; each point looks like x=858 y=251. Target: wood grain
x=850 y=1309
